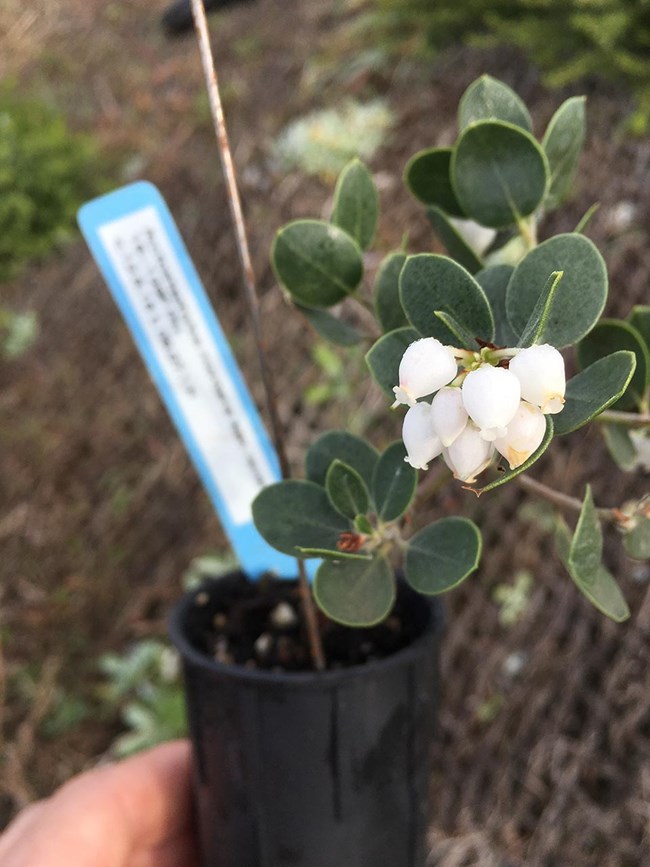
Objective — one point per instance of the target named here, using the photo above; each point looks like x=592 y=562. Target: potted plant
x=311 y=727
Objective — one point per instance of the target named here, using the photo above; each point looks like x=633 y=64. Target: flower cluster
x=485 y=401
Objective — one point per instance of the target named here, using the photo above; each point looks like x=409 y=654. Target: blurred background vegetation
x=46 y=173
x=571 y=41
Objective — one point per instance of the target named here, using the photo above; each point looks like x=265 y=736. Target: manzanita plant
x=473 y=345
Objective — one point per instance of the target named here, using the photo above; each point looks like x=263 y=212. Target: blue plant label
x=136 y=244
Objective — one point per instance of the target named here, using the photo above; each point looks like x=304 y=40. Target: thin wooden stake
x=250 y=290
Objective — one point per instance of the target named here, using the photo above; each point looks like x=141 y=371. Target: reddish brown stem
x=628 y=419
x=564 y=501
x=250 y=291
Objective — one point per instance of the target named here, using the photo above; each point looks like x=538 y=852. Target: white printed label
x=175 y=329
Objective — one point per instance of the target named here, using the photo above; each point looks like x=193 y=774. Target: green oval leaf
x=363 y=525
x=639 y=318
x=600 y=589
x=386 y=293
x=508 y=474
x=330 y=327
x=499 y=173
x=393 y=483
x=562 y=537
x=355 y=593
x=611 y=335
x=384 y=356
x=346 y=490
x=442 y=555
x=462 y=337
x=580 y=298
x=637 y=540
x=563 y=142
x=494 y=282
x=296 y=513
x=535 y=330
x=429 y=283
x=620 y=446
x=455 y=244
x=488 y=98
x=586 y=218
x=586 y=548
x=319 y=264
x=356 y=203
x=605 y=595
x=594 y=390
x=327 y=554
x=586 y=569
x=427 y=177
x=343 y=446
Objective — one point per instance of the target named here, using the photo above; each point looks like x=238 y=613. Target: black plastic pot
x=310 y=770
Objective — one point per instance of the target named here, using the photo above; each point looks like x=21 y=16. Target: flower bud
x=421 y=443
x=524 y=435
x=540 y=371
x=469 y=454
x=491 y=396
x=448 y=414
x=425 y=367
x=476 y=236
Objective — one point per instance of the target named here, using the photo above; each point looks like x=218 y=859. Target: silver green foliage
x=144 y=684
x=324 y=141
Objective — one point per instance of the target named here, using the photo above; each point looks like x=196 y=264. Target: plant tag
x=136 y=244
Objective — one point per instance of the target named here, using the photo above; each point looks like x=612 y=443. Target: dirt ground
x=543 y=756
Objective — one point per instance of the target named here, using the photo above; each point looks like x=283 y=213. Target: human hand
x=136 y=813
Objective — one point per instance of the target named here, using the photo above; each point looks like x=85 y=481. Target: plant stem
x=503 y=353
x=528 y=231
x=629 y=419
x=237 y=217
x=367 y=313
x=250 y=291
x=564 y=501
x=311 y=619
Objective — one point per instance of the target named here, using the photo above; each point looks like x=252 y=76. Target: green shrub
x=144 y=683
x=323 y=142
x=567 y=40
x=18 y=331
x=46 y=173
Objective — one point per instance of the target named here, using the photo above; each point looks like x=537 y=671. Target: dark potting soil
x=260 y=625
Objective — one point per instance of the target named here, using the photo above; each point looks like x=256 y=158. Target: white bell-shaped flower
x=421 y=443
x=469 y=454
x=478 y=237
x=491 y=396
x=641 y=440
x=540 y=371
x=524 y=435
x=425 y=367
x=448 y=414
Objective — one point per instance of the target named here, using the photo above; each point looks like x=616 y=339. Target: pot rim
x=299 y=679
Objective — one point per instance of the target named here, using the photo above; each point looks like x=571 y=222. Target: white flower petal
x=641 y=440
x=425 y=367
x=540 y=371
x=491 y=397
x=493 y=433
x=524 y=435
x=469 y=454
x=478 y=237
x=421 y=443
x=448 y=414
